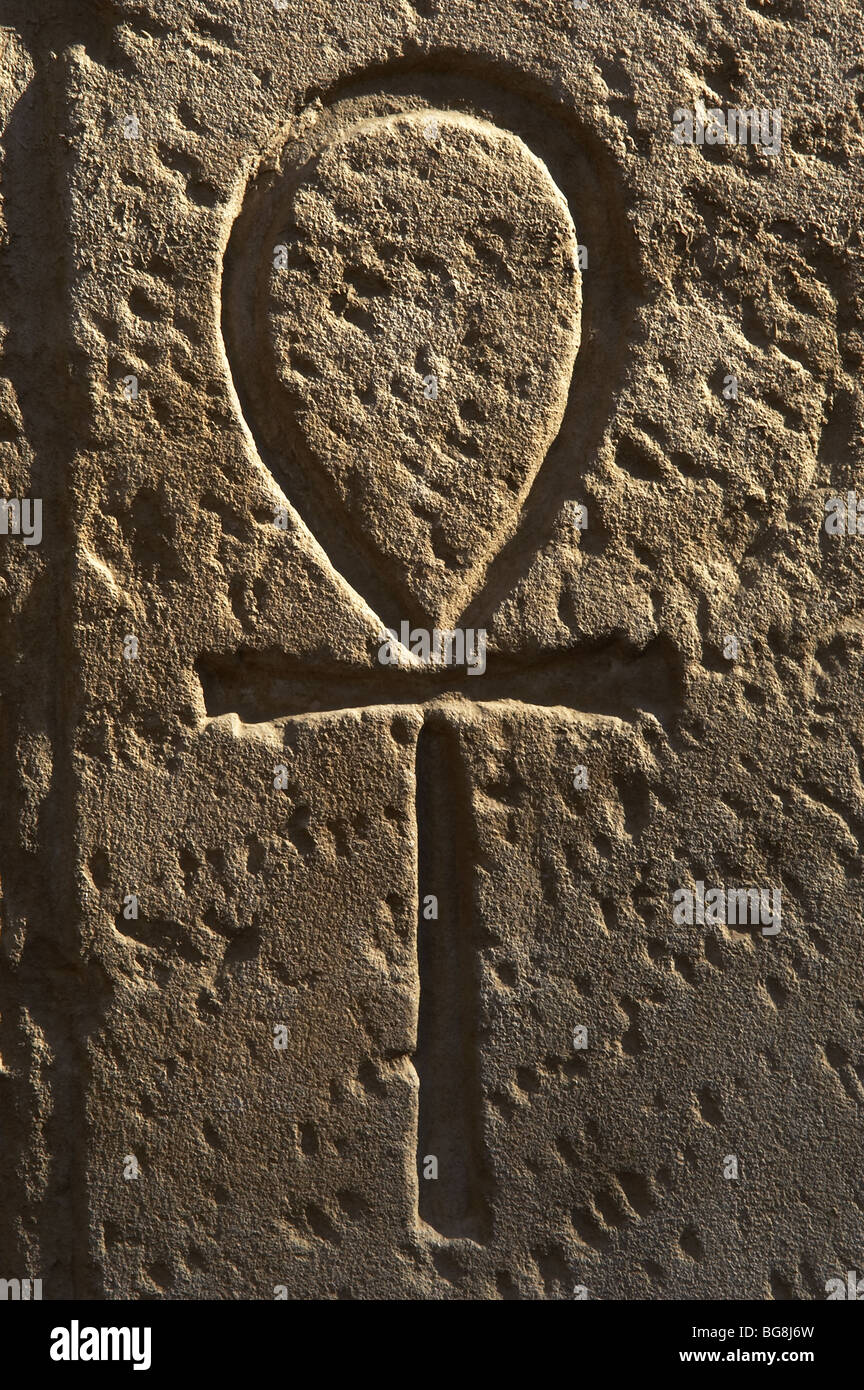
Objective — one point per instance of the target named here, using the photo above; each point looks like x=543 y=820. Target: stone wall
x=329 y=969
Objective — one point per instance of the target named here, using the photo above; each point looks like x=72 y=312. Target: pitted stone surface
x=280 y=807
x=422 y=307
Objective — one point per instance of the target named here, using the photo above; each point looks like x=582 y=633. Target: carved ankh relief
x=413 y=325
x=408 y=335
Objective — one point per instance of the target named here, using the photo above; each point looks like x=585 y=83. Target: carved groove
x=612 y=678
x=447 y=1057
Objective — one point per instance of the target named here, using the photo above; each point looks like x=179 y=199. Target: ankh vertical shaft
x=448 y=1055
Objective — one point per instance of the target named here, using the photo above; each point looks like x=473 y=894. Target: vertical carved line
x=447 y=1058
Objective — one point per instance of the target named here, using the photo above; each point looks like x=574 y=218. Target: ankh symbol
x=402 y=349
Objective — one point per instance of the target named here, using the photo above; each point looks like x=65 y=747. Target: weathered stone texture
x=294 y=344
